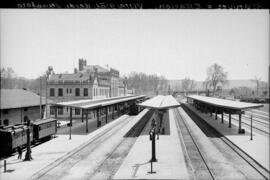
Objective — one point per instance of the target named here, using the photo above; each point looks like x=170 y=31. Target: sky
x=173 y=43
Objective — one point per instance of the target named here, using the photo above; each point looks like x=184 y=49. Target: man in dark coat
x=19 y=149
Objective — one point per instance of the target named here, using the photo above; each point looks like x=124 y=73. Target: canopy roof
x=160 y=102
x=224 y=103
x=93 y=103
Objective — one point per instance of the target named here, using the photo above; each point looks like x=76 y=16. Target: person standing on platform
x=19 y=149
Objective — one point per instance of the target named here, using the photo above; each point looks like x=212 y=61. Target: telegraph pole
x=251 y=135
x=28 y=156
x=46 y=96
x=40 y=98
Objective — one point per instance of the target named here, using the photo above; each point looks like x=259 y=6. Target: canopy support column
x=82 y=114
x=222 y=118
x=70 y=123
x=118 y=109
x=240 y=127
x=106 y=115
x=230 y=120
x=55 y=112
x=98 y=123
x=86 y=121
x=112 y=111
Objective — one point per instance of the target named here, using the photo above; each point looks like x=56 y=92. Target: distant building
x=17 y=105
x=89 y=82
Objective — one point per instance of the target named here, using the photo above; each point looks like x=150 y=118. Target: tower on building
x=82 y=64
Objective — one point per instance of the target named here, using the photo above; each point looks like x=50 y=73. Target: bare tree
x=188 y=84
x=215 y=75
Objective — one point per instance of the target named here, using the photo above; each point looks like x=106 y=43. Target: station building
x=18 y=104
x=87 y=82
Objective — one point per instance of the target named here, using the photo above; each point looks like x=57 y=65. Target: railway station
x=137 y=137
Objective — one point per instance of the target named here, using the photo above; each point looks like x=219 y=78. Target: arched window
x=6 y=122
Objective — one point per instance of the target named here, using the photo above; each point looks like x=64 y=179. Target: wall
x=16 y=116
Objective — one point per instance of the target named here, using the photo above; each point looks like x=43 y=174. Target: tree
x=188 y=84
x=8 y=78
x=215 y=75
x=144 y=84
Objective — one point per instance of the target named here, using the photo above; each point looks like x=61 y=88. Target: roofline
x=23 y=106
x=229 y=107
x=160 y=108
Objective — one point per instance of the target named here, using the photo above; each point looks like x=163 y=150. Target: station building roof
x=224 y=103
x=19 y=98
x=94 y=103
x=160 y=102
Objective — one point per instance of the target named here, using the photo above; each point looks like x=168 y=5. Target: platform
x=258 y=148
x=171 y=163
x=48 y=153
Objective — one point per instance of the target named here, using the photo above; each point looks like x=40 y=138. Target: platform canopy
x=95 y=103
x=160 y=102
x=224 y=103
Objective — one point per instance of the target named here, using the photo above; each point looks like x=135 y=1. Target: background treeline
x=146 y=84
x=141 y=82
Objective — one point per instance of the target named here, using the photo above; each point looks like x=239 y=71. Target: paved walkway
x=171 y=163
x=258 y=148
x=49 y=152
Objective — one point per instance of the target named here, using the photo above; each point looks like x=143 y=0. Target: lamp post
x=152 y=134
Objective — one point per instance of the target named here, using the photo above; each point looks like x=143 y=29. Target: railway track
x=210 y=131
x=193 y=150
x=71 y=159
x=60 y=168
x=259 y=130
x=108 y=168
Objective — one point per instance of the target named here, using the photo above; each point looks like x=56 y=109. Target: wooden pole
x=40 y=98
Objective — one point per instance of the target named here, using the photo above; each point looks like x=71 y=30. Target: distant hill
x=177 y=83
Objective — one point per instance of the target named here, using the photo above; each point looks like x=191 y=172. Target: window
x=85 y=91
x=77 y=111
x=52 y=92
x=77 y=92
x=60 y=111
x=25 y=109
x=67 y=90
x=94 y=92
x=70 y=90
x=60 y=92
x=0 y=122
